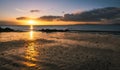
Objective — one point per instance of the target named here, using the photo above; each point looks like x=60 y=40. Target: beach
x=60 y=35
x=59 y=51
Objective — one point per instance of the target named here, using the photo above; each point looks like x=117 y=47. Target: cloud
x=78 y=11
x=34 y=11
x=20 y=10
x=108 y=13
x=22 y=18
x=104 y=15
x=43 y=18
x=49 y=18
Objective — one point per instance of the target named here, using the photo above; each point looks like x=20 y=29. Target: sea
x=86 y=27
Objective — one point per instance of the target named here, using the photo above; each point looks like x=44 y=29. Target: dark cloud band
x=101 y=14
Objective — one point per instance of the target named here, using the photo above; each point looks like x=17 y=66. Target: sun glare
x=31 y=22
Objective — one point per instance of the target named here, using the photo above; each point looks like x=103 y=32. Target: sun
x=31 y=22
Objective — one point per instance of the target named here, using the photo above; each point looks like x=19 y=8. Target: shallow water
x=59 y=51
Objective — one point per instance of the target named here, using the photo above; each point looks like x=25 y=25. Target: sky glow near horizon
x=11 y=9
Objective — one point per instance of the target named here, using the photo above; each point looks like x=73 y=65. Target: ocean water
x=70 y=27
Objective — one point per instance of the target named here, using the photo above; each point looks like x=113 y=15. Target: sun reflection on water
x=30 y=52
x=31 y=35
x=31 y=27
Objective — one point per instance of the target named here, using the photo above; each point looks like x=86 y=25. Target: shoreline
x=62 y=30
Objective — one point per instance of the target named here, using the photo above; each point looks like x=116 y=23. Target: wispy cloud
x=22 y=18
x=34 y=11
x=20 y=10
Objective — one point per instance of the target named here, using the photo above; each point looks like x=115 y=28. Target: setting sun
x=31 y=22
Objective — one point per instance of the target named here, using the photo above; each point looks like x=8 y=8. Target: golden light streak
x=31 y=27
x=31 y=35
x=30 y=52
x=29 y=64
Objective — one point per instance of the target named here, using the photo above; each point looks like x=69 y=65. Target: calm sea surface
x=70 y=27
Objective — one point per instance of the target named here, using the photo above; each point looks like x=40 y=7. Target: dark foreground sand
x=62 y=51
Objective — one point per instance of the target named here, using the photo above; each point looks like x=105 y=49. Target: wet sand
x=62 y=51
